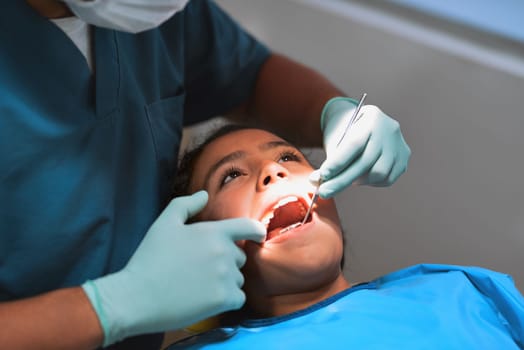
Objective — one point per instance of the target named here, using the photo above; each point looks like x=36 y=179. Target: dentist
x=94 y=96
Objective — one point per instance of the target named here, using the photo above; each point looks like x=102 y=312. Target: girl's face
x=256 y=174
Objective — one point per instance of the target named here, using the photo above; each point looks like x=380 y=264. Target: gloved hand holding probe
x=180 y=274
x=372 y=152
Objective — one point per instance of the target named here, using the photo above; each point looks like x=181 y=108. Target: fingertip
x=314 y=177
x=327 y=176
x=241 y=259
x=239 y=300
x=192 y=205
x=202 y=194
x=325 y=194
x=260 y=234
x=260 y=226
x=247 y=229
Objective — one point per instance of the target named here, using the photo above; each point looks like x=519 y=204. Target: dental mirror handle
x=313 y=201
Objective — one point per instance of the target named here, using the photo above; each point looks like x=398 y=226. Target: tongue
x=284 y=216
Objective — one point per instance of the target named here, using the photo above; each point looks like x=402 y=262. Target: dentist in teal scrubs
x=93 y=99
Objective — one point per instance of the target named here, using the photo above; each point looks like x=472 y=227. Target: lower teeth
x=290 y=227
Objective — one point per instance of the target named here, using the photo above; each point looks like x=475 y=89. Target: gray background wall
x=458 y=97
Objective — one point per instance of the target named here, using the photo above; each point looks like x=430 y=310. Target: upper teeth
x=265 y=220
x=285 y=201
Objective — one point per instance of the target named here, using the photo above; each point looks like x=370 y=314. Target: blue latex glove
x=180 y=273
x=372 y=152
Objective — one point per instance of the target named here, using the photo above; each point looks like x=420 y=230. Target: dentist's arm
x=62 y=319
x=289 y=98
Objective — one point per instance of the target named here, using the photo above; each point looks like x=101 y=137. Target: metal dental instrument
x=351 y=121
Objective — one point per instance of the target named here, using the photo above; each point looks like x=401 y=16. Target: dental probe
x=352 y=121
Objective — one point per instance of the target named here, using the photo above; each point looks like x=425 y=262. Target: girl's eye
x=289 y=156
x=229 y=175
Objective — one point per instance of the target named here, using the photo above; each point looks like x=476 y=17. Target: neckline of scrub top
x=260 y=322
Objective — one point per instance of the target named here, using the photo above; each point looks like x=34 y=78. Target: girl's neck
x=277 y=305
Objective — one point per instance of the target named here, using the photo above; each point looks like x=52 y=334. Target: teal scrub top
x=426 y=306
x=86 y=158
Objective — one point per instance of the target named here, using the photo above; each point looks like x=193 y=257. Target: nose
x=270 y=173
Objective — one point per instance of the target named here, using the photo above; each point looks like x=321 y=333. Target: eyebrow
x=241 y=154
x=274 y=144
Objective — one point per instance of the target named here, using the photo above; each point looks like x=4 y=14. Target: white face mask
x=131 y=16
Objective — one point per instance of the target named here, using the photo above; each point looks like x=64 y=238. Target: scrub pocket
x=166 y=120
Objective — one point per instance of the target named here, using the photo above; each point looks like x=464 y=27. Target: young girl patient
x=296 y=294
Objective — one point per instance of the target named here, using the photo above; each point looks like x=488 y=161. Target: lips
x=287 y=214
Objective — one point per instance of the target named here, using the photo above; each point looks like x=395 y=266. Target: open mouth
x=286 y=215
